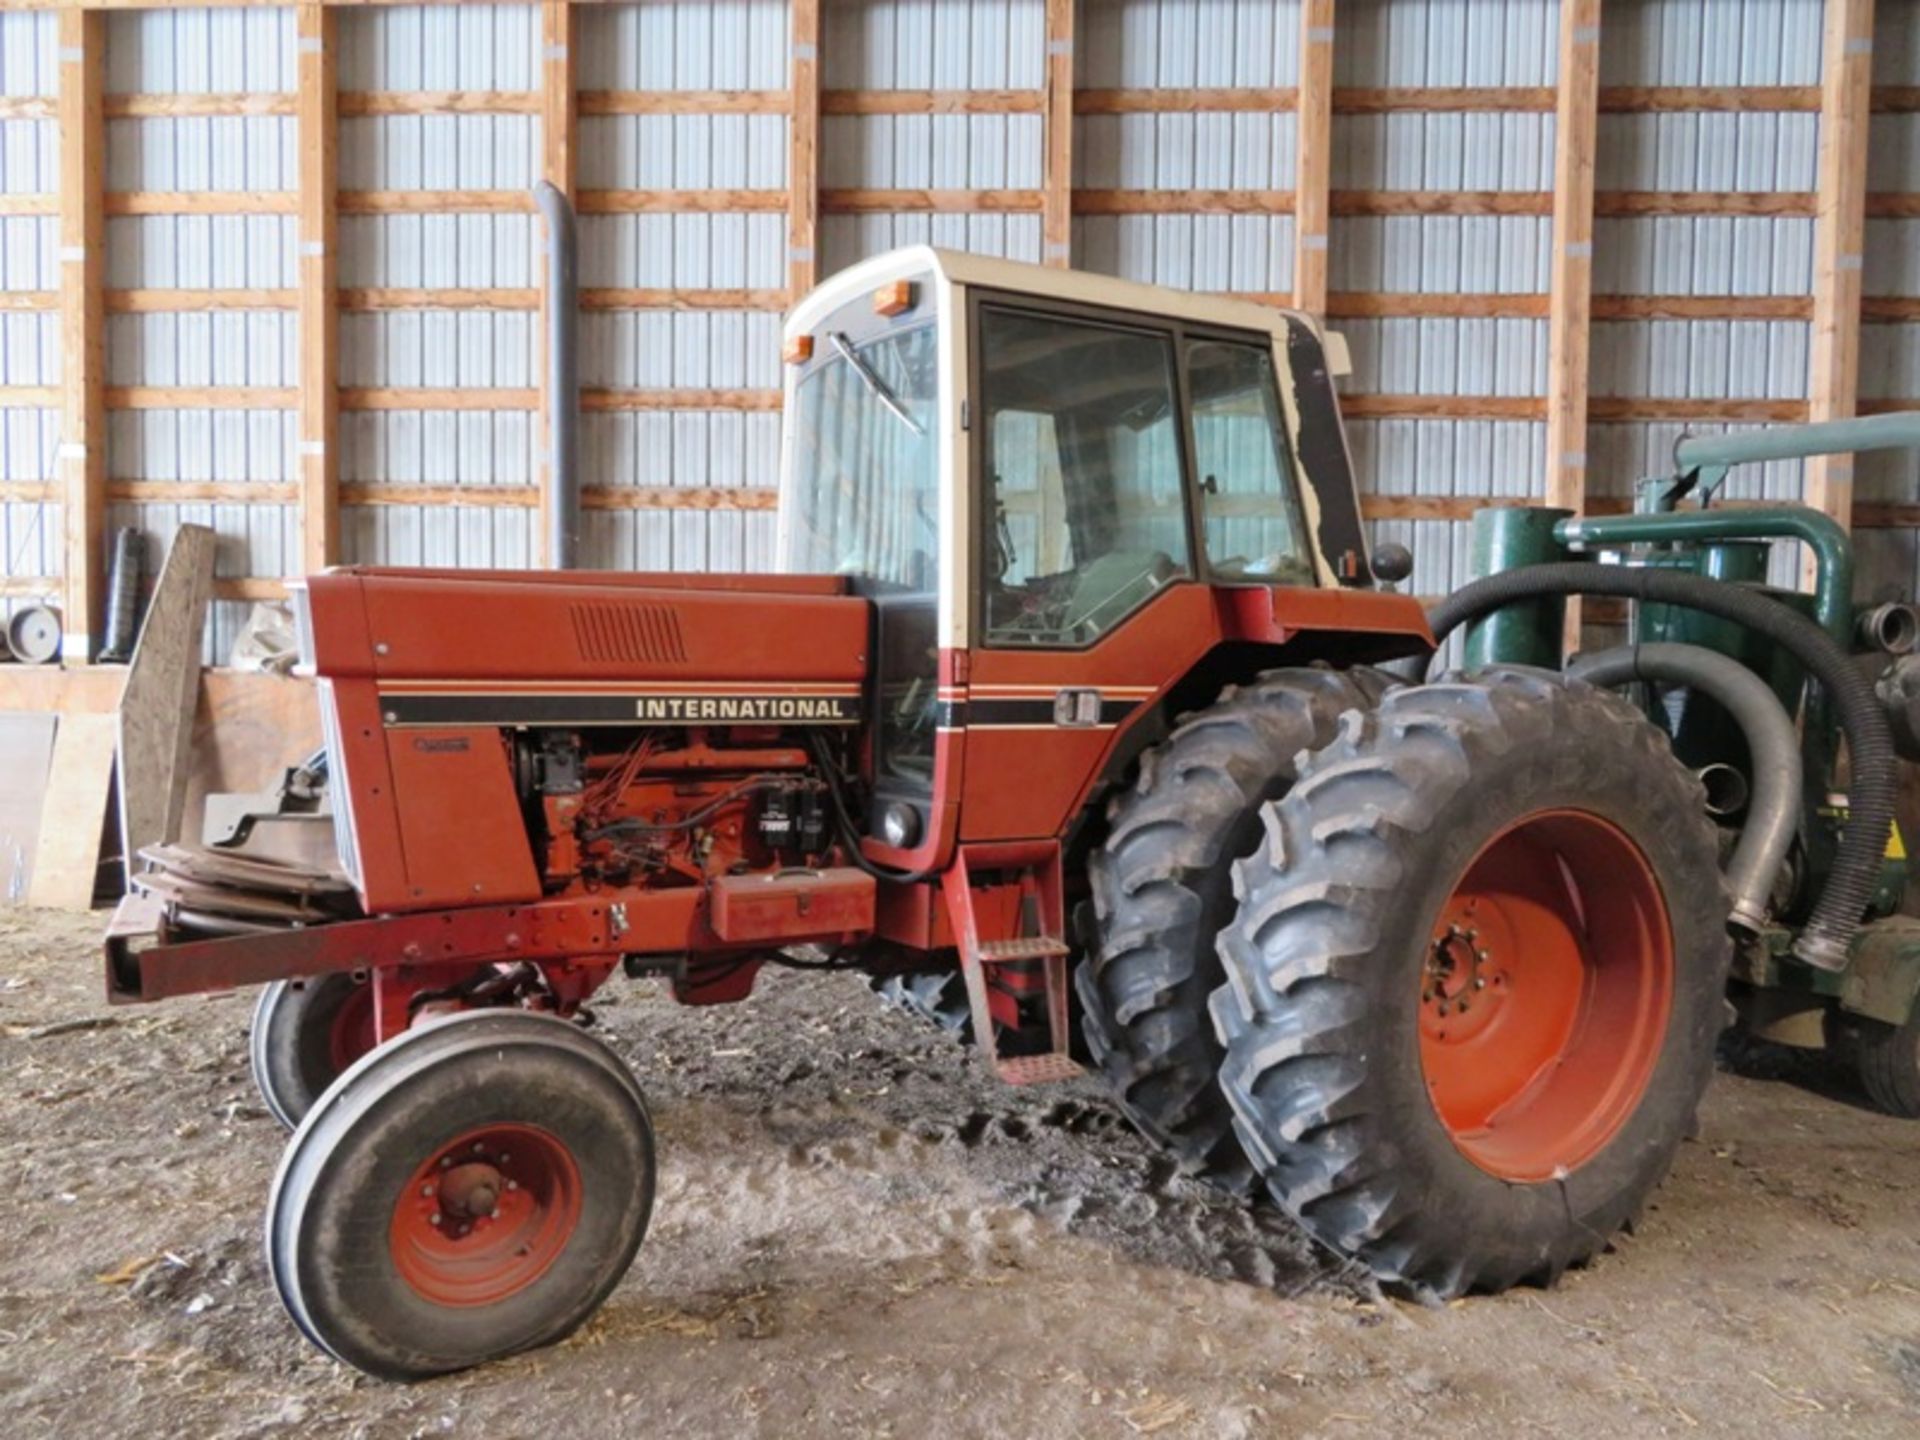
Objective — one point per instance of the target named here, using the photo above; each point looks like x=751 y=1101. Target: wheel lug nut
x=433 y=1219
x=1481 y=955
x=426 y=1189
x=513 y=1185
x=1479 y=982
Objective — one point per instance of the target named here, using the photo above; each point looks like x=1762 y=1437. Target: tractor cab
x=1059 y=492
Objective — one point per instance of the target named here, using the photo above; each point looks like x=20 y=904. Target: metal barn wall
x=640 y=50
x=1703 y=42
x=1889 y=555
x=432 y=347
x=30 y=355
x=936 y=122
x=909 y=45
x=1434 y=44
x=244 y=432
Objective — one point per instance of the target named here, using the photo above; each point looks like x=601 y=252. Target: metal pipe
x=1697 y=453
x=1773 y=812
x=123 y=594
x=1832 y=550
x=563 y=377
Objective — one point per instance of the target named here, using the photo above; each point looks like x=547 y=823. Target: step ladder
x=1040 y=934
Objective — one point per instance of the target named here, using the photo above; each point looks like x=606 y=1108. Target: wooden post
x=1056 y=224
x=1576 y=126
x=1839 y=241
x=803 y=146
x=315 y=106
x=559 y=111
x=1313 y=156
x=83 y=346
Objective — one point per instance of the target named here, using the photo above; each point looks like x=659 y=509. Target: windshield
x=862 y=493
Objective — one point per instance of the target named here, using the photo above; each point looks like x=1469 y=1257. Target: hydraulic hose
x=1773 y=814
x=1844 y=898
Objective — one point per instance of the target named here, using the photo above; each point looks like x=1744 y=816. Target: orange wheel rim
x=352 y=1034
x=1544 y=995
x=486 y=1215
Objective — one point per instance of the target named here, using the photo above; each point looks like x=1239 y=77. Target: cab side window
x=1249 y=490
x=1084 y=515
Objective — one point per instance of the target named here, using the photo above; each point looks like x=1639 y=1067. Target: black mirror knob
x=1392 y=562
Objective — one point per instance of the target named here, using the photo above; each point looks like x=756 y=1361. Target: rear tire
x=473 y=1188
x=1163 y=888
x=304 y=1034
x=1474 y=981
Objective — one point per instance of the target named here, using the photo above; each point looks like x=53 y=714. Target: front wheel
x=1474 y=980
x=475 y=1187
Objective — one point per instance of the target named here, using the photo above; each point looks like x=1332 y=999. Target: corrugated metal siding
x=439 y=47
x=1440 y=43
x=682 y=46
x=222 y=51
x=903 y=45
x=30 y=536
x=1703 y=42
x=1181 y=44
x=1890 y=352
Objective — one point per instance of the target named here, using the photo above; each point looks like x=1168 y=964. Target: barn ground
x=858 y=1234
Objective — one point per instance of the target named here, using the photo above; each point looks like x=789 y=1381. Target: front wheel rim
x=1545 y=993
x=486 y=1215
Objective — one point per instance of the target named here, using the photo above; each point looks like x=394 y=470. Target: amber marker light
x=798 y=350
x=894 y=298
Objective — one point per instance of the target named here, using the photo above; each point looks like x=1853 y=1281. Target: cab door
x=1128 y=473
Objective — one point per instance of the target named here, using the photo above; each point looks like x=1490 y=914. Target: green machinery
x=1795 y=740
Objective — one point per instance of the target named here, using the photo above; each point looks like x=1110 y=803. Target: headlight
x=900 y=825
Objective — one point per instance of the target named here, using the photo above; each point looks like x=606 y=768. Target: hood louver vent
x=628 y=634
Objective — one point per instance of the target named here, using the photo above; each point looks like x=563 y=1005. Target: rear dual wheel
x=473 y=1188
x=1474 y=981
x=1163 y=889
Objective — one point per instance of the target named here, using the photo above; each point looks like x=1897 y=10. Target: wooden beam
x=675 y=298
x=1441 y=99
x=1839 y=243
x=938 y=102
x=1442 y=407
x=803 y=149
x=677 y=202
x=83 y=350
x=1056 y=184
x=353 y=104
x=1570 y=302
x=681 y=102
x=152 y=302
x=872 y=201
x=204 y=397
x=1168 y=202
x=201 y=202
x=1313 y=157
x=1244 y=100
x=438 y=297
x=559 y=111
x=319 y=399
x=1440 y=202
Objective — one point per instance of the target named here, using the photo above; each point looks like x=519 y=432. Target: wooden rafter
x=83 y=262
x=1056 y=216
x=1313 y=157
x=1839 y=244
x=803 y=149
x=319 y=401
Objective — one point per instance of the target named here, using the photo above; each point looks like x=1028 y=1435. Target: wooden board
x=66 y=863
x=162 y=691
x=26 y=758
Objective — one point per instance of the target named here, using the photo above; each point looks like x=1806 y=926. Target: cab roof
x=956 y=267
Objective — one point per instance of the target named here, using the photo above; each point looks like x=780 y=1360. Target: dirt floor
x=858 y=1234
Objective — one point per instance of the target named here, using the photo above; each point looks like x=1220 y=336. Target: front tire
x=1886 y=1058
x=1163 y=888
x=1474 y=981
x=473 y=1188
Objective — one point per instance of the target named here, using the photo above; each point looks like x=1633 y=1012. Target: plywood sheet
x=67 y=859
x=161 y=694
x=26 y=755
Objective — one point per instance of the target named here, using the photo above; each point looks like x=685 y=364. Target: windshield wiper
x=874 y=383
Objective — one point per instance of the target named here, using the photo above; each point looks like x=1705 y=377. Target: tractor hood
x=501 y=647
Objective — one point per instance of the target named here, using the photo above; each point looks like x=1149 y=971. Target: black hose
x=843 y=819
x=1856 y=870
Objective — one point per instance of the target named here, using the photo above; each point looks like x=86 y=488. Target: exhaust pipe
x=563 y=377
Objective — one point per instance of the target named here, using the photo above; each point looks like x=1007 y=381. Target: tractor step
x=1026 y=947
x=1037 y=1069
x=1031 y=872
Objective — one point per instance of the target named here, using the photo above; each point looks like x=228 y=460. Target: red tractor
x=1067 y=673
